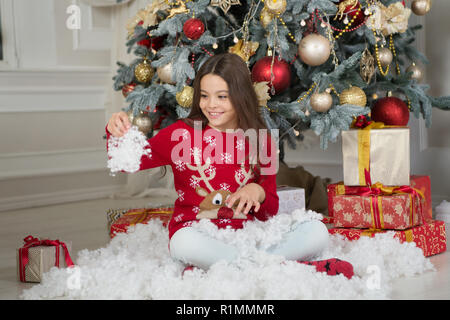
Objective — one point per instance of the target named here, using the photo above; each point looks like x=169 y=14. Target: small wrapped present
x=423 y=184
x=38 y=256
x=430 y=237
x=382 y=153
x=143 y=215
x=377 y=206
x=290 y=198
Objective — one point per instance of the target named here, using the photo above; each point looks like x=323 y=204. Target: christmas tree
x=316 y=64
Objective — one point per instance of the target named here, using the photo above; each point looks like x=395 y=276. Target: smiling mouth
x=215 y=115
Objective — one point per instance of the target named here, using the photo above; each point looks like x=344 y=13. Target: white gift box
x=290 y=198
x=388 y=156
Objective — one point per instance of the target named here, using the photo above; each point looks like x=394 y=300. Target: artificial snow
x=443 y=211
x=125 y=152
x=137 y=265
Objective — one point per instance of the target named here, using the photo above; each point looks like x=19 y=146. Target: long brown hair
x=231 y=68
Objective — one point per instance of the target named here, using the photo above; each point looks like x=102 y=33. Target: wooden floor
x=84 y=224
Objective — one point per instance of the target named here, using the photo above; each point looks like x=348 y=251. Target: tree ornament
x=265 y=17
x=155 y=43
x=244 y=49
x=193 y=28
x=225 y=5
x=278 y=74
x=353 y=95
x=143 y=122
x=417 y=73
x=321 y=102
x=180 y=9
x=367 y=66
x=185 y=97
x=165 y=73
x=144 y=72
x=314 y=49
x=420 y=7
x=391 y=111
x=385 y=56
x=130 y=115
x=128 y=88
x=275 y=6
x=349 y=8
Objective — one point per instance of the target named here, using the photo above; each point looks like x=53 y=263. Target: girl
x=217 y=173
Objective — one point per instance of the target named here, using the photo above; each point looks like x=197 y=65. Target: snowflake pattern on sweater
x=208 y=166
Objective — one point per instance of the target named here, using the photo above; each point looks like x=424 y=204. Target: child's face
x=215 y=103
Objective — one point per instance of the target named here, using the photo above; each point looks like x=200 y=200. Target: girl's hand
x=118 y=124
x=250 y=195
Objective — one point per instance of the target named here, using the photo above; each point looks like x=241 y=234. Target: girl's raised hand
x=118 y=124
x=250 y=195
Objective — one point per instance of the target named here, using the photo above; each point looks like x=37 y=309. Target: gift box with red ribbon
x=380 y=207
x=38 y=256
x=430 y=237
x=142 y=215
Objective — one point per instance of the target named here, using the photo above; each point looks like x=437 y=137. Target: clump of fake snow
x=137 y=265
x=125 y=152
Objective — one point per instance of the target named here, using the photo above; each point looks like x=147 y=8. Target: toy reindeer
x=177 y=10
x=343 y=5
x=213 y=205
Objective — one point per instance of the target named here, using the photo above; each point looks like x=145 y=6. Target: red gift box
x=380 y=207
x=430 y=237
x=135 y=216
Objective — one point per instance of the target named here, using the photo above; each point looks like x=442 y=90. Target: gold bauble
x=420 y=7
x=385 y=56
x=165 y=73
x=353 y=95
x=143 y=122
x=275 y=6
x=144 y=72
x=417 y=72
x=185 y=97
x=314 y=49
x=321 y=102
x=266 y=17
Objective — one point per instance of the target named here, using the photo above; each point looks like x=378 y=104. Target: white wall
x=52 y=113
x=52 y=95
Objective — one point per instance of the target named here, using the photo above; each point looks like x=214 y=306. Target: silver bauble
x=314 y=49
x=165 y=73
x=143 y=122
x=417 y=72
x=420 y=7
x=385 y=56
x=321 y=102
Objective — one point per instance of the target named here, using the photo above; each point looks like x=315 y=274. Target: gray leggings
x=194 y=247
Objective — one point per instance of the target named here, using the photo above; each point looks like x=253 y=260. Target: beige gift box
x=290 y=198
x=388 y=156
x=41 y=260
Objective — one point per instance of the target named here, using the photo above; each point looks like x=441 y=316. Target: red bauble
x=193 y=28
x=155 y=43
x=281 y=72
x=391 y=111
x=353 y=12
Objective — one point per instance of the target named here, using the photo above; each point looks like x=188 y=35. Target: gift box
x=380 y=155
x=290 y=198
x=143 y=215
x=430 y=237
x=423 y=184
x=38 y=256
x=399 y=208
x=375 y=207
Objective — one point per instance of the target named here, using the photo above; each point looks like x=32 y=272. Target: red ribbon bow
x=361 y=122
x=30 y=242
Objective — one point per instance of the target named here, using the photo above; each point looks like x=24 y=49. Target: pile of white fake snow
x=137 y=265
x=125 y=152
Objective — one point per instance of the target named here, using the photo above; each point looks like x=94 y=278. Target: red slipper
x=332 y=267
